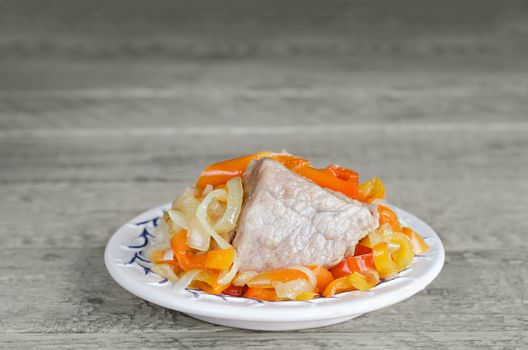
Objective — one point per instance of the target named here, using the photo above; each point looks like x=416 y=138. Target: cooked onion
x=227 y=276
x=197 y=237
x=165 y=271
x=161 y=233
x=186 y=202
x=311 y=276
x=178 y=219
x=291 y=289
x=216 y=209
x=201 y=214
x=208 y=188
x=243 y=278
x=234 y=205
x=186 y=279
x=161 y=239
x=168 y=255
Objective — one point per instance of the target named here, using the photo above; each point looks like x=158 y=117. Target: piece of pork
x=289 y=220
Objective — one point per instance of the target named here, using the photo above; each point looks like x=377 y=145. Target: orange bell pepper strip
x=219 y=173
x=418 y=243
x=353 y=264
x=186 y=260
x=216 y=259
x=323 y=276
x=371 y=190
x=265 y=279
x=387 y=216
x=338 y=285
x=220 y=259
x=268 y=294
x=210 y=282
x=158 y=257
x=333 y=177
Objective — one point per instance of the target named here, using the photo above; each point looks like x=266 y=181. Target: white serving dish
x=131 y=270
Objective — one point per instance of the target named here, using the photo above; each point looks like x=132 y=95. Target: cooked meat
x=288 y=220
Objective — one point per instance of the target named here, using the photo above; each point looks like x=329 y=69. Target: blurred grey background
x=108 y=108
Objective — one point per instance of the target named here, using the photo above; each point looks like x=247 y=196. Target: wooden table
x=90 y=138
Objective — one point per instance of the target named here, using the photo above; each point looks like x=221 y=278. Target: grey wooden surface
x=100 y=120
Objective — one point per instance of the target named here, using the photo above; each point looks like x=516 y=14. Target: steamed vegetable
x=371 y=190
x=185 y=255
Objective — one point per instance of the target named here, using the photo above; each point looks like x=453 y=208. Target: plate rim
x=284 y=311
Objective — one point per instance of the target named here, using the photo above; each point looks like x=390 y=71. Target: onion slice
x=242 y=279
x=227 y=276
x=165 y=271
x=177 y=219
x=201 y=214
x=291 y=289
x=235 y=195
x=309 y=273
x=186 y=279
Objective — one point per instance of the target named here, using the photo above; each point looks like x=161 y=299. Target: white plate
x=131 y=270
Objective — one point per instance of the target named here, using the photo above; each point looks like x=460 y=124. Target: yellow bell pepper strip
x=216 y=259
x=418 y=243
x=306 y=296
x=386 y=267
x=323 y=276
x=365 y=280
x=220 y=259
x=268 y=294
x=405 y=253
x=390 y=263
x=219 y=173
x=365 y=242
x=371 y=190
x=210 y=282
x=333 y=177
x=265 y=279
x=387 y=216
x=338 y=285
